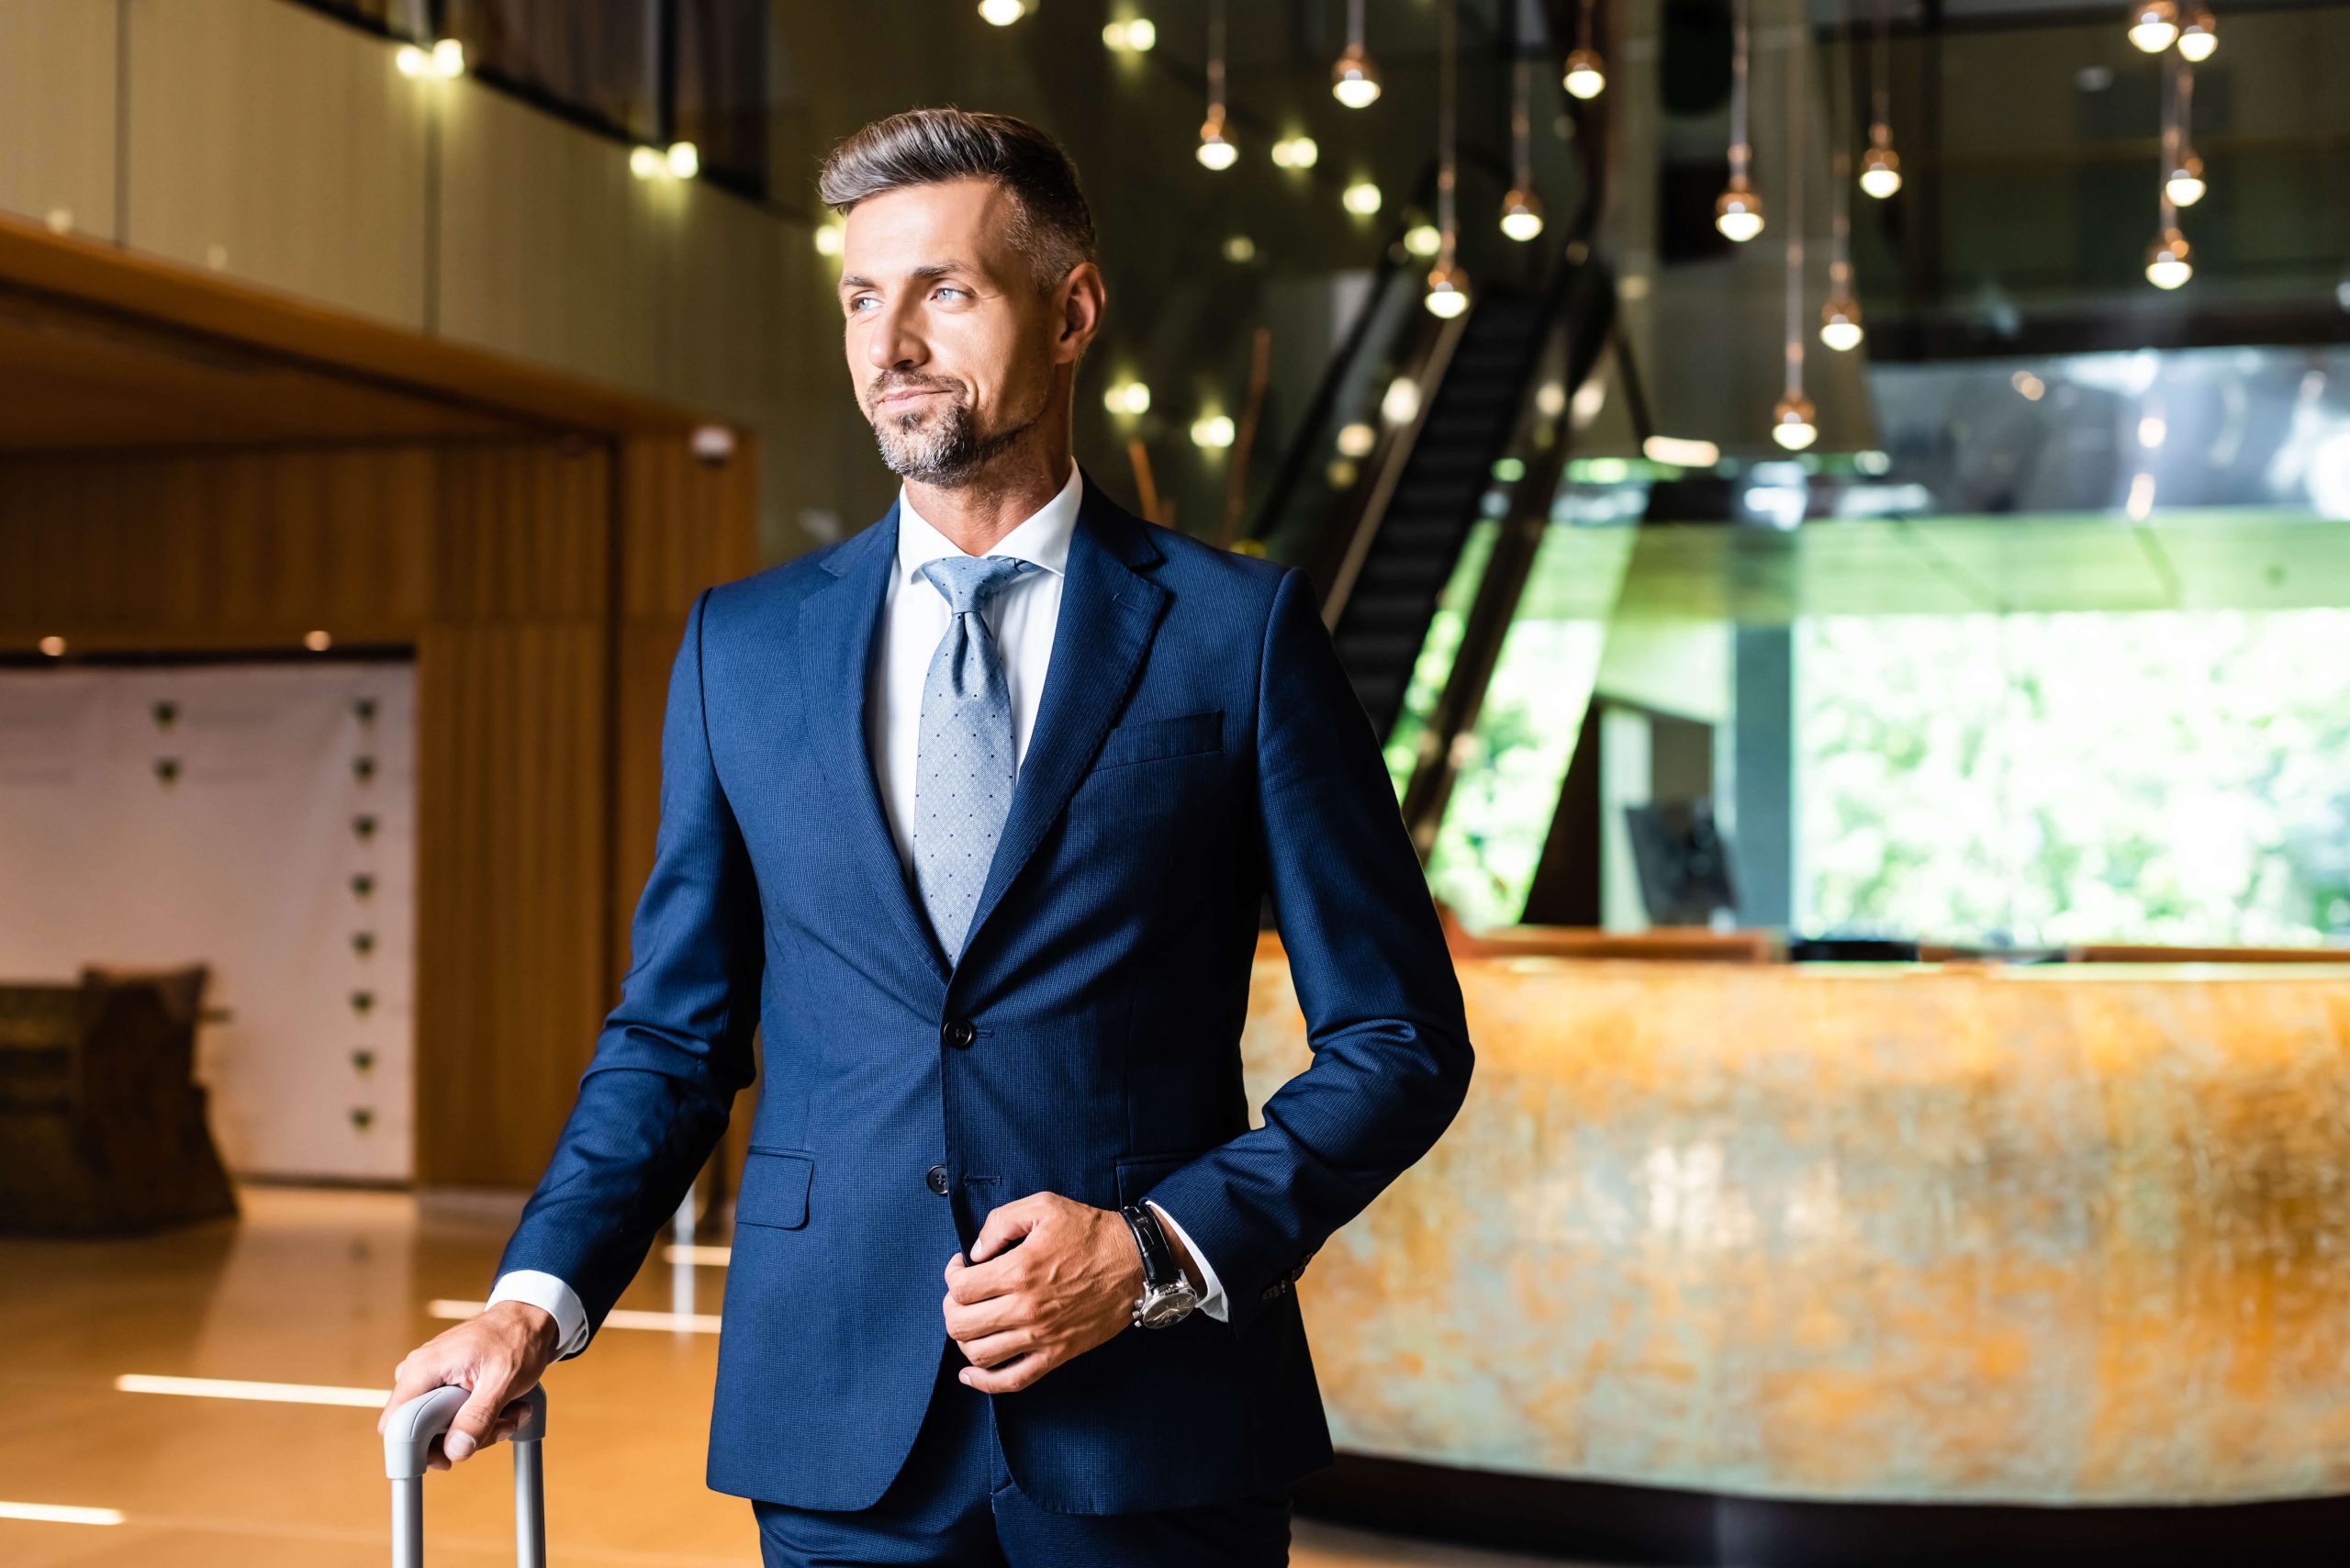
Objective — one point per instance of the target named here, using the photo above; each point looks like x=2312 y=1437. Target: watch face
x=1167 y=1306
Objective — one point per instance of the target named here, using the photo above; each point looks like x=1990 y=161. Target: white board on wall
x=258 y=817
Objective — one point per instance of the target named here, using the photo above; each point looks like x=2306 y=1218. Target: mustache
x=884 y=388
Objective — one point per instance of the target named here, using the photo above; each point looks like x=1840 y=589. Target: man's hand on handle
x=498 y=1355
x=1050 y=1278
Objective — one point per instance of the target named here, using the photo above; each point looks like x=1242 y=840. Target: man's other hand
x=500 y=1355
x=1049 y=1279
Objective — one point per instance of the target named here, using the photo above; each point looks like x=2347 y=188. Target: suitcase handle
x=409 y=1435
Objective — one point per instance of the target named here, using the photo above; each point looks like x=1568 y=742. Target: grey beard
x=945 y=454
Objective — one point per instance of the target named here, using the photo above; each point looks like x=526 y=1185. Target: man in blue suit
x=971 y=816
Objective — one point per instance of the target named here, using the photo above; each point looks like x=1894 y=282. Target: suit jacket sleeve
x=672 y=1056
x=1382 y=1006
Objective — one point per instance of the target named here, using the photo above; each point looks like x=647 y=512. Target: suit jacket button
x=936 y=1179
x=957 y=1032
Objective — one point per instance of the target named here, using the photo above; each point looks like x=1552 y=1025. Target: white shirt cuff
x=1212 y=1300
x=549 y=1293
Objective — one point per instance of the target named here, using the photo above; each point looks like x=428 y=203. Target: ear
x=1078 y=304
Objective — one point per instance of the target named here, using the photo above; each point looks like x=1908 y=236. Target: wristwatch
x=1167 y=1295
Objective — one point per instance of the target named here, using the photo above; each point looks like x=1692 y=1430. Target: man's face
x=951 y=348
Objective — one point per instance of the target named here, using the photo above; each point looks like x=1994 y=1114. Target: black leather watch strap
x=1158 y=1258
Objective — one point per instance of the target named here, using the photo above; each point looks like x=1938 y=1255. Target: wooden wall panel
x=57 y=98
x=243 y=549
x=278 y=144
x=540 y=684
x=512 y=835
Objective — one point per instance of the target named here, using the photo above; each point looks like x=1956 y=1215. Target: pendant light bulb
x=1447 y=293
x=1354 y=80
x=1521 y=214
x=1839 y=323
x=2167 y=264
x=2199 y=36
x=1586 y=75
x=1216 y=151
x=2154 y=24
x=2184 y=185
x=1738 y=211
x=1791 y=424
x=1880 y=171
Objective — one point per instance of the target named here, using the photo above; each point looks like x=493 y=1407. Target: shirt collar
x=1042 y=536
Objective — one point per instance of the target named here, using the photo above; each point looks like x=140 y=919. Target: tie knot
x=969 y=581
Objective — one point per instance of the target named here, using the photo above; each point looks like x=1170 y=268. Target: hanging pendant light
x=2167 y=264
x=1216 y=150
x=1447 y=286
x=2154 y=24
x=1354 y=81
x=2199 y=36
x=1521 y=208
x=1791 y=417
x=1839 y=317
x=1738 y=211
x=1586 y=75
x=2182 y=170
x=1880 y=165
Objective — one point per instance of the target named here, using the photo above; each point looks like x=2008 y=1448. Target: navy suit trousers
x=954 y=1502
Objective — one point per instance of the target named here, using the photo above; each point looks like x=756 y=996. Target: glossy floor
x=328 y=1288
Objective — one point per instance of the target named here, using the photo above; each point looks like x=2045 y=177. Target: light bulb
x=1447 y=293
x=1296 y=152
x=1128 y=397
x=1423 y=240
x=1142 y=35
x=685 y=160
x=1738 y=211
x=2198 y=38
x=1880 y=172
x=1216 y=151
x=646 y=163
x=2185 y=184
x=1002 y=13
x=1791 y=424
x=1586 y=74
x=1839 y=323
x=1521 y=214
x=828 y=239
x=2167 y=264
x=1212 y=431
x=2154 y=24
x=1354 y=81
x=412 y=60
x=1355 y=440
x=449 y=58
x=1361 y=198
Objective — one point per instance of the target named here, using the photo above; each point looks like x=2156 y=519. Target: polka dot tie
x=963 y=760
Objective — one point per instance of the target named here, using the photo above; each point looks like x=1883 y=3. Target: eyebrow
x=928 y=269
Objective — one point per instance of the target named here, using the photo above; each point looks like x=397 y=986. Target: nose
x=893 y=342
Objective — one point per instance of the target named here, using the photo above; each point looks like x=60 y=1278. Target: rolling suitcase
x=409 y=1434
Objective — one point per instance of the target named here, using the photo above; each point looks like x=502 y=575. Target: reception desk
x=2068 y=1233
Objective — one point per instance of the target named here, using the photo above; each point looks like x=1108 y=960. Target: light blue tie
x=963 y=758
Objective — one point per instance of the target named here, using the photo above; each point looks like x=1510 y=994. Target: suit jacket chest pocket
x=1153 y=768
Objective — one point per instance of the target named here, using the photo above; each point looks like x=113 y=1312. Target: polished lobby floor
x=326 y=1290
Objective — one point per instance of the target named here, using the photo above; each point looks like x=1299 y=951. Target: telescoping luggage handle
x=410 y=1433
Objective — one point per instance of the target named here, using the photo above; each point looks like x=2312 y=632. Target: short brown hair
x=922 y=146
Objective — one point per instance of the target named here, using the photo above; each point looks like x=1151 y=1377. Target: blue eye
x=950 y=289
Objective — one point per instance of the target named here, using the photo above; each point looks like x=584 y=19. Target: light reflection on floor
x=328 y=1288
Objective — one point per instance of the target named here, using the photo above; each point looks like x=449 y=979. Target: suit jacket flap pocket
x=1141 y=740
x=775 y=1188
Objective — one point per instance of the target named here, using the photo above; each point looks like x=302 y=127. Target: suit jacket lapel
x=840 y=622
x=1109 y=613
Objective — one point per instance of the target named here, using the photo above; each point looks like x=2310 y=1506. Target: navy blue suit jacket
x=1197 y=744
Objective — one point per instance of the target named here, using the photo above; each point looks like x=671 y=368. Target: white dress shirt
x=1021 y=616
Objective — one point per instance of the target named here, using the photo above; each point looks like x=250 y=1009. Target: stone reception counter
x=2066 y=1234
